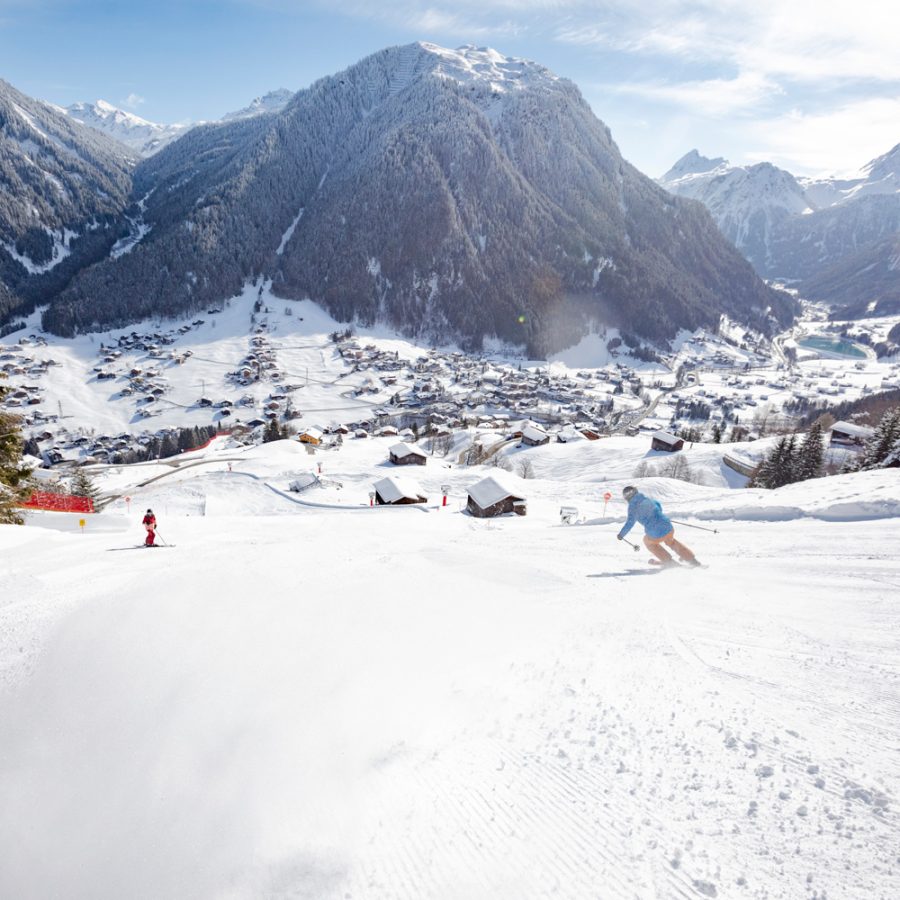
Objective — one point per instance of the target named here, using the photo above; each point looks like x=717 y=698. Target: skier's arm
x=629 y=523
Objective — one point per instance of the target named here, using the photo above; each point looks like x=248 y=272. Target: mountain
x=146 y=138
x=749 y=203
x=452 y=194
x=870 y=275
x=832 y=238
x=65 y=188
x=273 y=102
x=141 y=136
x=692 y=163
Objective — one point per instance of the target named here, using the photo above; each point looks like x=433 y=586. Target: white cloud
x=133 y=101
x=806 y=40
x=715 y=97
x=838 y=142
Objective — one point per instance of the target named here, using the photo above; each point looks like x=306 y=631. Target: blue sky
x=811 y=86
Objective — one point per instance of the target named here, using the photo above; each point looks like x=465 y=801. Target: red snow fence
x=59 y=502
x=205 y=444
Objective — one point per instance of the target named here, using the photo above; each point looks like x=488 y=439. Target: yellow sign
x=82 y=523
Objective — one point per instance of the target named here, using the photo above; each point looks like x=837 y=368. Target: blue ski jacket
x=649 y=513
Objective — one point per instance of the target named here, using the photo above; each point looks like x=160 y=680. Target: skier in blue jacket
x=658 y=529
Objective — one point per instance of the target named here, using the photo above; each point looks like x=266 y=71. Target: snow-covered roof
x=665 y=437
x=493 y=489
x=401 y=450
x=533 y=433
x=851 y=429
x=394 y=488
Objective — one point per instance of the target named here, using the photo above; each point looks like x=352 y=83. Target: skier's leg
x=684 y=553
x=654 y=545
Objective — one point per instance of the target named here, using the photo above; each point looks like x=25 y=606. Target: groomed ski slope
x=326 y=702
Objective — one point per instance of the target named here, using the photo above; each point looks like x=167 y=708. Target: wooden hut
x=406 y=455
x=668 y=443
x=846 y=434
x=492 y=496
x=532 y=436
x=397 y=491
x=311 y=436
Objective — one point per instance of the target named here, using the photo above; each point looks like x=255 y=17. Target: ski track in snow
x=294 y=702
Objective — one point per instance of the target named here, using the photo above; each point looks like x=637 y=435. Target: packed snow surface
x=302 y=696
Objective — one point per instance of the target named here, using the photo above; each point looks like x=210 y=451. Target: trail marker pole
x=445 y=489
x=128 y=504
x=81 y=524
x=606 y=498
x=371 y=498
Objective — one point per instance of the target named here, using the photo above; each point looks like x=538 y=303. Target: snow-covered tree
x=15 y=482
x=811 y=456
x=884 y=441
x=83 y=486
x=779 y=467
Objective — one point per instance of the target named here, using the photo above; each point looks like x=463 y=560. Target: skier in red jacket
x=149 y=522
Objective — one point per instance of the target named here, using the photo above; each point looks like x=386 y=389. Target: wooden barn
x=397 y=491
x=668 y=443
x=406 y=455
x=310 y=436
x=846 y=434
x=532 y=436
x=493 y=497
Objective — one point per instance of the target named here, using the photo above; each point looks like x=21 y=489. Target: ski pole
x=633 y=546
x=700 y=527
x=165 y=543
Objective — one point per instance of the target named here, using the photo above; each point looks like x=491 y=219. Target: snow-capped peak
x=274 y=101
x=469 y=64
x=139 y=134
x=692 y=163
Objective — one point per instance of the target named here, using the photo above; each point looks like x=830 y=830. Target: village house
x=493 y=497
x=532 y=436
x=406 y=455
x=668 y=443
x=397 y=491
x=311 y=436
x=846 y=434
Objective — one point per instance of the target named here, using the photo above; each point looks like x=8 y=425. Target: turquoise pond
x=838 y=346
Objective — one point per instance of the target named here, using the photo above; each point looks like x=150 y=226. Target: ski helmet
x=150 y=511
x=629 y=492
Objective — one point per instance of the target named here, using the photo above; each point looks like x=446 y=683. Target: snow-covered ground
x=307 y=697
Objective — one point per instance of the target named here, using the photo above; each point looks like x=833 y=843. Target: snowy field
x=305 y=697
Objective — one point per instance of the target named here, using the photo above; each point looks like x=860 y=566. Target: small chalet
x=493 y=496
x=846 y=434
x=407 y=455
x=532 y=436
x=397 y=491
x=668 y=443
x=311 y=436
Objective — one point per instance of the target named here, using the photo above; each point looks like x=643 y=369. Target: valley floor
x=399 y=704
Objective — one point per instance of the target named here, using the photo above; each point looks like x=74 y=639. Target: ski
x=675 y=565
x=142 y=547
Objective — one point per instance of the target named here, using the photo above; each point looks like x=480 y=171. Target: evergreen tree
x=187 y=438
x=811 y=456
x=887 y=434
x=83 y=486
x=271 y=432
x=15 y=481
x=168 y=446
x=779 y=467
